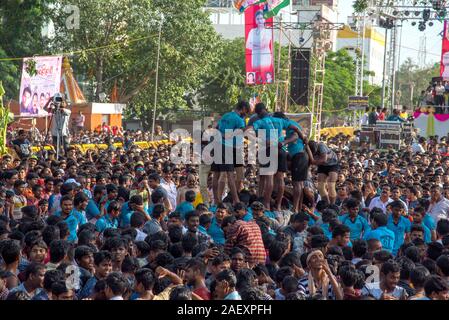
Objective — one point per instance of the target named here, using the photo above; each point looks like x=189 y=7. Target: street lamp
x=157 y=75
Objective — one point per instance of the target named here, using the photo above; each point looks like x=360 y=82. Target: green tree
x=132 y=27
x=21 y=24
x=412 y=80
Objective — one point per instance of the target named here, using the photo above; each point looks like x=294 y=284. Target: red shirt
x=247 y=236
x=203 y=293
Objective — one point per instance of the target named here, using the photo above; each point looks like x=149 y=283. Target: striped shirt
x=246 y=236
x=303 y=286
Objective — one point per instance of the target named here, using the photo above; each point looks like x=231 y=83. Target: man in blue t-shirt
x=110 y=219
x=380 y=231
x=187 y=206
x=399 y=224
x=232 y=147
x=418 y=219
x=356 y=223
x=269 y=130
x=68 y=216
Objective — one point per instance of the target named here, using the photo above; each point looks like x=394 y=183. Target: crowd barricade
x=333 y=131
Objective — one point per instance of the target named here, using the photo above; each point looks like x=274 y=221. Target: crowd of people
x=331 y=222
x=436 y=94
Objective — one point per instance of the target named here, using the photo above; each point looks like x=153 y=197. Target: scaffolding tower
x=321 y=34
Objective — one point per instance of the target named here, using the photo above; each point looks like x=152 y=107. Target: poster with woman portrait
x=444 y=66
x=259 y=47
x=36 y=90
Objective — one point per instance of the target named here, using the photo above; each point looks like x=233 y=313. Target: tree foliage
x=21 y=24
x=188 y=48
x=411 y=77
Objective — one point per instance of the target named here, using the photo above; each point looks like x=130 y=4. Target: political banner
x=444 y=64
x=36 y=90
x=304 y=120
x=259 y=47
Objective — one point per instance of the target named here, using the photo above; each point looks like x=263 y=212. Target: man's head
x=397 y=208
x=243 y=108
x=34 y=275
x=226 y=282
x=436 y=288
x=341 y=235
x=59 y=291
x=103 y=264
x=195 y=271
x=145 y=280
x=239 y=210
x=66 y=204
x=392 y=273
x=84 y=257
x=221 y=212
x=353 y=207
x=435 y=193
x=416 y=231
x=116 y=285
x=299 y=221
x=192 y=221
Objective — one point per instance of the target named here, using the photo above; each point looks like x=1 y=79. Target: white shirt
x=417 y=147
x=364 y=120
x=117 y=298
x=439 y=90
x=140 y=235
x=374 y=290
x=61 y=121
x=377 y=203
x=171 y=192
x=439 y=210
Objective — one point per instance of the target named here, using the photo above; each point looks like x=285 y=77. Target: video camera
x=56 y=101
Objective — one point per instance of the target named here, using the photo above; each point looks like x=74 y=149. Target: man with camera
x=59 y=122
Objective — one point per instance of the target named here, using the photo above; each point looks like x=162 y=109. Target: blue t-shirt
x=271 y=123
x=312 y=221
x=216 y=232
x=358 y=227
x=73 y=222
x=92 y=210
x=80 y=216
x=231 y=121
x=384 y=235
x=125 y=216
x=427 y=234
x=327 y=232
x=399 y=231
x=106 y=222
x=248 y=216
x=184 y=207
x=297 y=146
x=429 y=222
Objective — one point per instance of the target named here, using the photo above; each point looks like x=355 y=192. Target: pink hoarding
x=259 y=47
x=444 y=65
x=36 y=90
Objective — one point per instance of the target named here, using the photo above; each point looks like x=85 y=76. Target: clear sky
x=410 y=36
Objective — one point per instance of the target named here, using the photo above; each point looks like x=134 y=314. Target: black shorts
x=300 y=167
x=328 y=169
x=227 y=167
x=282 y=160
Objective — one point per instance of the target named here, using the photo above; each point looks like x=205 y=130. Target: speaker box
x=300 y=76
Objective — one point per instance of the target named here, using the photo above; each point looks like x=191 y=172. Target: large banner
x=259 y=47
x=444 y=66
x=36 y=90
